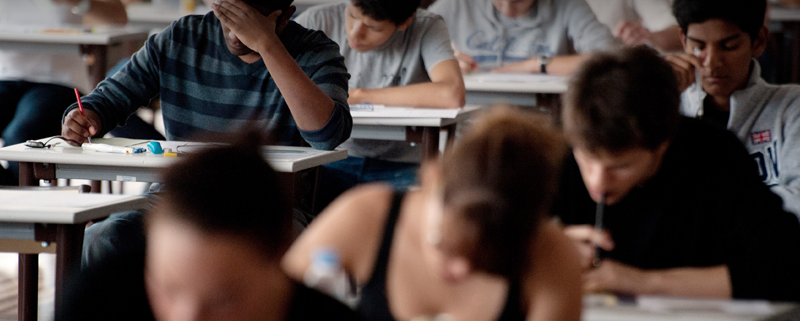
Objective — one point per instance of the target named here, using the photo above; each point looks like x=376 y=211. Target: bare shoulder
x=552 y=243
x=351 y=225
x=553 y=286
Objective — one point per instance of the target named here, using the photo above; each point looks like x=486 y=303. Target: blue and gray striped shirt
x=206 y=90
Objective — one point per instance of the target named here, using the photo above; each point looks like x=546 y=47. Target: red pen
x=80 y=107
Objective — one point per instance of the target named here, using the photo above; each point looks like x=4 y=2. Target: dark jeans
x=337 y=177
x=31 y=111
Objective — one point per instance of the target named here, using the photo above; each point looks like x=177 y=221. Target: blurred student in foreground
x=214 y=244
x=729 y=35
x=474 y=243
x=684 y=211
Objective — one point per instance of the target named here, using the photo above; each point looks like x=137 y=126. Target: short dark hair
x=748 y=15
x=500 y=177
x=397 y=11
x=622 y=100
x=271 y=4
x=231 y=191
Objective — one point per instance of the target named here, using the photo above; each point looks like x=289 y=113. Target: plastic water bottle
x=326 y=275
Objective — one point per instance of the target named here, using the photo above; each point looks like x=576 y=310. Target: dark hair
x=397 y=11
x=270 y=4
x=501 y=177
x=230 y=190
x=622 y=100
x=748 y=15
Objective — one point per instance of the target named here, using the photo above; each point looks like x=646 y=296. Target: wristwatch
x=82 y=7
x=543 y=61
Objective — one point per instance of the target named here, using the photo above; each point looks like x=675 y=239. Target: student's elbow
x=454 y=96
x=293 y=263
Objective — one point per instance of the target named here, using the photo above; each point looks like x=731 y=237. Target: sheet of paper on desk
x=521 y=78
x=406 y=112
x=678 y=305
x=113 y=141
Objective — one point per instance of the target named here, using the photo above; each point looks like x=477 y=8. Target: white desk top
x=281 y=158
x=381 y=120
x=58 y=207
x=97 y=36
x=779 y=13
x=683 y=309
x=147 y=13
x=515 y=83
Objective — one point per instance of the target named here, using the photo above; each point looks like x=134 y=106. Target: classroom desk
x=416 y=128
x=522 y=90
x=95 y=44
x=297 y=166
x=153 y=18
x=52 y=217
x=649 y=308
x=145 y=15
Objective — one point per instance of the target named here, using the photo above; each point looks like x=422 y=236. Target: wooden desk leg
x=28 y=301
x=26 y=177
x=451 y=137
x=99 y=60
x=314 y=210
x=430 y=143
x=69 y=242
x=97 y=187
x=28 y=281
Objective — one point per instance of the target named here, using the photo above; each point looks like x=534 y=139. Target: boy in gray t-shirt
x=397 y=55
x=530 y=36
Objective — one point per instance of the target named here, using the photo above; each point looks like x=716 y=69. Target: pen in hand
x=598 y=227
x=80 y=107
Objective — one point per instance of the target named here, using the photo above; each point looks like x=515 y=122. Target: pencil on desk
x=80 y=107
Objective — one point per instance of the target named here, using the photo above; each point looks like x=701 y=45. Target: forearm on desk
x=432 y=95
x=565 y=65
x=445 y=90
x=558 y=65
x=711 y=282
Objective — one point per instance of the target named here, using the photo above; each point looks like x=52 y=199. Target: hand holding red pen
x=80 y=124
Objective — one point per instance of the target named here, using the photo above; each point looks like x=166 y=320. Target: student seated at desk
x=684 y=211
x=397 y=55
x=35 y=87
x=474 y=243
x=525 y=36
x=732 y=94
x=640 y=22
x=211 y=81
x=214 y=244
x=243 y=63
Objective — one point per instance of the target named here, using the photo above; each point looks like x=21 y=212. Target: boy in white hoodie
x=727 y=36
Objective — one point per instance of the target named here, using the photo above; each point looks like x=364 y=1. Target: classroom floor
x=8 y=286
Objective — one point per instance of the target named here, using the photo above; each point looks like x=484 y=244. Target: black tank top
x=374 y=305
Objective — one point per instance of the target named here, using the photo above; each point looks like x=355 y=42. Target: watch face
x=543 y=59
